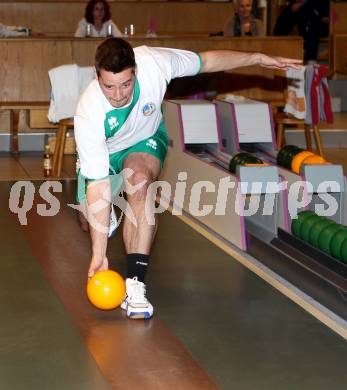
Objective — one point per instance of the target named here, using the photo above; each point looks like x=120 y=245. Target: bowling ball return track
x=317 y=274
x=311 y=278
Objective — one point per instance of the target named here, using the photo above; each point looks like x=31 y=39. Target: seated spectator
x=13 y=31
x=312 y=19
x=97 y=21
x=243 y=21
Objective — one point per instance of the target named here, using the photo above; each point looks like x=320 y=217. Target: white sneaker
x=135 y=302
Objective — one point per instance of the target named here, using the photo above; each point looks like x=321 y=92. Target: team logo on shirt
x=112 y=122
x=152 y=143
x=148 y=109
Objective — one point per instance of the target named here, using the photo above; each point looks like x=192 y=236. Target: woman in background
x=243 y=22
x=97 y=21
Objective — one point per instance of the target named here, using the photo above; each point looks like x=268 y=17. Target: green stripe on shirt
x=200 y=63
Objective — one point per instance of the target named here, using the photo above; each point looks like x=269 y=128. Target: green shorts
x=156 y=145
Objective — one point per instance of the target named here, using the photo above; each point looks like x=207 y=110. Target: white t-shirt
x=155 y=68
x=81 y=31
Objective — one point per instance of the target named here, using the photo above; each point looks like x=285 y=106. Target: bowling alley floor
x=217 y=325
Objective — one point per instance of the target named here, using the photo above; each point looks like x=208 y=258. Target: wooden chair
x=281 y=119
x=58 y=155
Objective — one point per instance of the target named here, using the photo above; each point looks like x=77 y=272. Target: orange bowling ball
x=298 y=159
x=315 y=159
x=106 y=290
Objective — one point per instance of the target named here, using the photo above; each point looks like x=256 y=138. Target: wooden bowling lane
x=40 y=348
x=130 y=354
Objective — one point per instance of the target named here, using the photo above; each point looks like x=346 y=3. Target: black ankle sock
x=137 y=265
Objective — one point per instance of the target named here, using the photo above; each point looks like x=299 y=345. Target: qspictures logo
x=158 y=196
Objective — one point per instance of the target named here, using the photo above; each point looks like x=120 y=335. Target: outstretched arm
x=98 y=209
x=220 y=60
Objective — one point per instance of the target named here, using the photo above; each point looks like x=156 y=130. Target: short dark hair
x=114 y=55
x=90 y=7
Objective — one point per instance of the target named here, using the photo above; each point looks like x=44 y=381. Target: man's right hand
x=97 y=264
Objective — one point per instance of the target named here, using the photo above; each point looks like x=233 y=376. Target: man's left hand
x=279 y=62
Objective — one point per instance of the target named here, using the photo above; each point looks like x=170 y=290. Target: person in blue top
x=119 y=125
